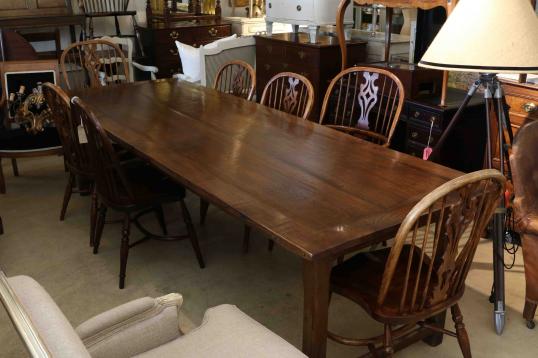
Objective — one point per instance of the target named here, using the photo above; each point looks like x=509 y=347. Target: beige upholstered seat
x=146 y=327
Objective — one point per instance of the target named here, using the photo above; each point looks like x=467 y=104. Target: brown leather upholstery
x=524 y=161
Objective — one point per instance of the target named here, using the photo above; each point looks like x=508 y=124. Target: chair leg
x=67 y=195
x=2 y=179
x=15 y=167
x=192 y=234
x=93 y=214
x=99 y=225
x=270 y=245
x=461 y=332
x=159 y=213
x=204 y=206
x=246 y=239
x=124 y=251
x=528 y=313
x=1 y=226
x=387 y=341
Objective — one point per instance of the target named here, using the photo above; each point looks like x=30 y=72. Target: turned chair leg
x=528 y=313
x=2 y=179
x=1 y=226
x=387 y=341
x=159 y=213
x=246 y=239
x=192 y=234
x=15 y=167
x=93 y=214
x=67 y=195
x=124 y=251
x=204 y=206
x=99 y=225
x=270 y=245
x=461 y=332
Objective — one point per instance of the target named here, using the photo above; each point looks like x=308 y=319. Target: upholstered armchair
x=524 y=163
x=146 y=327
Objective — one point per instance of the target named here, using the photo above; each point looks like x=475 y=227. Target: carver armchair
x=146 y=327
x=525 y=173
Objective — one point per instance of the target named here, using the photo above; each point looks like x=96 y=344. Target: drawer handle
x=174 y=35
x=301 y=54
x=433 y=119
x=416 y=114
x=414 y=135
x=530 y=107
x=173 y=52
x=213 y=31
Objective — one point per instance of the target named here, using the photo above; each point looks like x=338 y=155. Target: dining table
x=317 y=192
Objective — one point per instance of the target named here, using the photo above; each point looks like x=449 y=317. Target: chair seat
x=359 y=279
x=226 y=332
x=149 y=186
x=20 y=140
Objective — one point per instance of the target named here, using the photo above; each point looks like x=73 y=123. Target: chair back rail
x=104 y=6
x=237 y=78
x=75 y=152
x=289 y=92
x=23 y=324
x=440 y=257
x=364 y=102
x=94 y=63
x=112 y=184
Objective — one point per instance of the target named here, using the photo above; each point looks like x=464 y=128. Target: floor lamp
x=488 y=37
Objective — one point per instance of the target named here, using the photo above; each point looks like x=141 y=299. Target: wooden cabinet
x=464 y=148
x=290 y=52
x=159 y=41
x=9 y=8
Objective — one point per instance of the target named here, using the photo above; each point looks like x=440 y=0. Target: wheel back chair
x=364 y=102
x=524 y=173
x=424 y=272
x=129 y=188
x=146 y=327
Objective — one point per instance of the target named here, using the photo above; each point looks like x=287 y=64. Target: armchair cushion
x=226 y=332
x=56 y=332
x=132 y=328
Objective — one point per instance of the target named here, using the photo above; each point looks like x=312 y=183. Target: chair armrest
x=151 y=69
x=132 y=328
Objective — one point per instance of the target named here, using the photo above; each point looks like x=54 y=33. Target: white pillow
x=213 y=44
x=190 y=60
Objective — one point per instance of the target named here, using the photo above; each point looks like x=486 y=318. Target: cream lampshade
x=489 y=36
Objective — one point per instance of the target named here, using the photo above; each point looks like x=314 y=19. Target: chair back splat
x=435 y=245
x=289 y=92
x=237 y=78
x=364 y=102
x=94 y=63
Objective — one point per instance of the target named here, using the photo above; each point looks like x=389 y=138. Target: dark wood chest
x=159 y=41
x=290 y=52
x=463 y=149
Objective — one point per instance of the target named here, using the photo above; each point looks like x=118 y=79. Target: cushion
x=226 y=332
x=56 y=332
x=190 y=58
x=214 y=44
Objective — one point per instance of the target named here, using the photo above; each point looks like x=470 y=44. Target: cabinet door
x=291 y=10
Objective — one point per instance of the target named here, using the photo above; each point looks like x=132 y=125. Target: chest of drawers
x=291 y=52
x=463 y=149
x=159 y=41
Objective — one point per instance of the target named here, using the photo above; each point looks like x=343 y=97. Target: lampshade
x=495 y=36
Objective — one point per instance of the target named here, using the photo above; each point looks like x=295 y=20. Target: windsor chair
x=364 y=102
x=424 y=272
x=237 y=78
x=289 y=92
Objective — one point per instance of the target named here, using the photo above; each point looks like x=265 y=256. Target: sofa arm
x=132 y=328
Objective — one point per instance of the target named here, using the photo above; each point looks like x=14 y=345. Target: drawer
x=290 y=10
x=415 y=149
x=421 y=134
x=266 y=50
x=210 y=33
x=302 y=56
x=425 y=118
x=524 y=107
x=169 y=36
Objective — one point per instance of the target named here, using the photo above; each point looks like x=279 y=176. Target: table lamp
x=488 y=37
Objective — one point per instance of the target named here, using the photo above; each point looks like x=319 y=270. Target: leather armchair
x=146 y=327
x=524 y=162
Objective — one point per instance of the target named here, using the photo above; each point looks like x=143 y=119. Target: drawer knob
x=433 y=119
x=299 y=8
x=174 y=35
x=416 y=114
x=173 y=52
x=530 y=107
x=213 y=32
x=270 y=5
x=414 y=135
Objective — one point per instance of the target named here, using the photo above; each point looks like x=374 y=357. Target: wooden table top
x=317 y=191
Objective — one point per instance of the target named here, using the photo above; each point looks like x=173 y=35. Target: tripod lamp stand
x=488 y=37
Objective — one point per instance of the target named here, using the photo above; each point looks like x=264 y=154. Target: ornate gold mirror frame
x=448 y=5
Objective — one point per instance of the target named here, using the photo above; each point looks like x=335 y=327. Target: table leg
x=316 y=276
